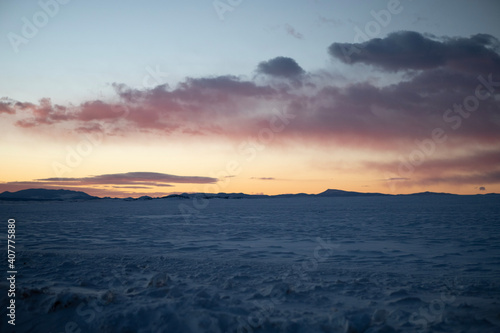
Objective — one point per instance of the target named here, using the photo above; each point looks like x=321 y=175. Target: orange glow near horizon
x=271 y=171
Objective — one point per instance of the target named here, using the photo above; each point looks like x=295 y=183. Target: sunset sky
x=132 y=98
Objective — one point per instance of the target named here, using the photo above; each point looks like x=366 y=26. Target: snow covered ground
x=365 y=264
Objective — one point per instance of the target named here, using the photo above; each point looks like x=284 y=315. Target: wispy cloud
x=329 y=21
x=131 y=180
x=139 y=178
x=263 y=178
x=475 y=168
x=292 y=32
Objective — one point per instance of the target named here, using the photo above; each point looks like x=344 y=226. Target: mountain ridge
x=66 y=195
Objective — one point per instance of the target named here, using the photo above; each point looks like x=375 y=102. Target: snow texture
x=362 y=264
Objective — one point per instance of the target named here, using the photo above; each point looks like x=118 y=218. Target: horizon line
x=248 y=194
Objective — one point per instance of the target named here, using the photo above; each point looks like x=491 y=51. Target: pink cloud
x=359 y=115
x=481 y=167
x=6 y=106
x=98 y=110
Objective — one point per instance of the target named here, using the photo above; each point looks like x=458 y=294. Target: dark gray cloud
x=280 y=67
x=409 y=50
x=227 y=84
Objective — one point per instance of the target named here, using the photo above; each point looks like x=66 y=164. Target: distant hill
x=430 y=193
x=216 y=196
x=41 y=194
x=340 y=193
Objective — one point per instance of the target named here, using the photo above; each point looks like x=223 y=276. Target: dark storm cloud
x=409 y=50
x=280 y=67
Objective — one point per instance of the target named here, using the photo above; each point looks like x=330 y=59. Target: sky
x=128 y=98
